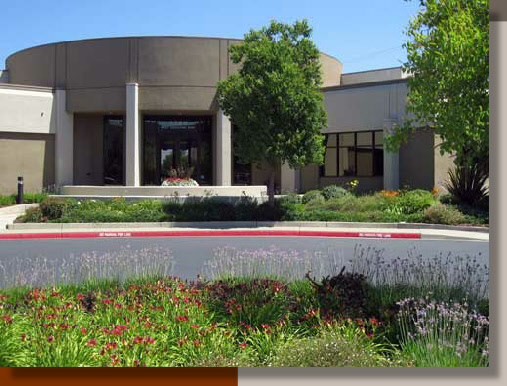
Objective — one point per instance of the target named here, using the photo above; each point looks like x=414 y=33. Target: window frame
x=355 y=147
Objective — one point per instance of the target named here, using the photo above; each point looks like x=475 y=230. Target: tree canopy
x=448 y=67
x=275 y=97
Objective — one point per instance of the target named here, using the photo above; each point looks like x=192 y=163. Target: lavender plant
x=230 y=262
x=118 y=265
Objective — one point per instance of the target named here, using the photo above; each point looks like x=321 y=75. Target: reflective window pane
x=330 y=162
x=113 y=151
x=364 y=139
x=346 y=162
x=347 y=139
x=331 y=140
x=364 y=162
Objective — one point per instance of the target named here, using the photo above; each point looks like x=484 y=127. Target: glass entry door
x=177 y=146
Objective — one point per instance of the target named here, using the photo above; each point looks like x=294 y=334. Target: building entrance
x=177 y=146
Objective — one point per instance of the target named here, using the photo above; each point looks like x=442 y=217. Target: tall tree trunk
x=271 y=186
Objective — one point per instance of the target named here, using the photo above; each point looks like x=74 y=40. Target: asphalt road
x=38 y=261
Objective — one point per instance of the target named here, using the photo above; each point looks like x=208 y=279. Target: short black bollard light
x=19 y=199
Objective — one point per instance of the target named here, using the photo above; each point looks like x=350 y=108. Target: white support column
x=224 y=150
x=132 y=136
x=64 y=141
x=290 y=179
x=391 y=168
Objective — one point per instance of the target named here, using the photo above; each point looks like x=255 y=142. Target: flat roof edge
x=364 y=84
x=26 y=87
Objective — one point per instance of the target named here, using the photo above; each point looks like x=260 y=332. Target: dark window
x=114 y=145
x=354 y=154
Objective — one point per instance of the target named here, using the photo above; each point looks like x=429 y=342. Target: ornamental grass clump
x=123 y=264
x=443 y=334
x=230 y=262
x=445 y=275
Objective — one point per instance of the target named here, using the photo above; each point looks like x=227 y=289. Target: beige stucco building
x=120 y=113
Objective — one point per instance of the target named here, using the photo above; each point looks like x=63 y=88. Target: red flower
x=68 y=304
x=182 y=318
x=107 y=301
x=197 y=342
x=50 y=339
x=149 y=341
x=64 y=326
x=118 y=305
x=84 y=331
x=91 y=343
x=50 y=316
x=196 y=326
x=242 y=345
x=136 y=363
x=80 y=296
x=23 y=337
x=137 y=340
x=3 y=296
x=374 y=321
x=112 y=346
x=147 y=324
x=54 y=294
x=7 y=318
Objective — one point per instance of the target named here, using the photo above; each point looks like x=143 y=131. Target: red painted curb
x=221 y=232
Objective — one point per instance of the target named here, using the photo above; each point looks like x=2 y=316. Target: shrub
x=414 y=201
x=443 y=214
x=53 y=208
x=334 y=191
x=245 y=209
x=291 y=198
x=313 y=195
x=467 y=184
x=342 y=295
x=269 y=212
x=334 y=347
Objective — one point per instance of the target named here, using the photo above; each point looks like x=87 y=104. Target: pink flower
x=182 y=318
x=118 y=305
x=50 y=339
x=91 y=343
x=196 y=326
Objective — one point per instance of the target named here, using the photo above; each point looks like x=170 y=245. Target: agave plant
x=467 y=184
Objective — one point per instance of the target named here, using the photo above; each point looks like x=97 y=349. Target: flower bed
x=344 y=320
x=180 y=182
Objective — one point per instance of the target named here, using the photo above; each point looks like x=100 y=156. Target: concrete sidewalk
x=103 y=230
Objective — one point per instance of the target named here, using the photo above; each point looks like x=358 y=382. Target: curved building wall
x=173 y=73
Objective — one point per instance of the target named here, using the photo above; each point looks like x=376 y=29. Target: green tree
x=275 y=98
x=448 y=64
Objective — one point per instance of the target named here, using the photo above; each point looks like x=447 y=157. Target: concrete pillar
x=132 y=137
x=224 y=150
x=64 y=141
x=289 y=179
x=391 y=168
